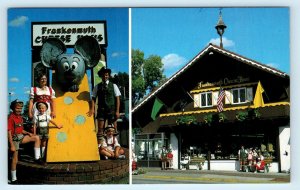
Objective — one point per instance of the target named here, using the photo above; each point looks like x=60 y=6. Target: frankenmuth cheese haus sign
x=68 y=32
x=225 y=81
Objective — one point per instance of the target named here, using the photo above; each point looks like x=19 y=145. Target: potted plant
x=241 y=115
x=186 y=120
x=222 y=117
x=208 y=119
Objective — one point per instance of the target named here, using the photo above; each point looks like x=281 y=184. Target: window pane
x=242 y=95
x=203 y=100
x=235 y=95
x=151 y=146
x=209 y=99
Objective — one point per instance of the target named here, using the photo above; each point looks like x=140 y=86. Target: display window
x=148 y=146
x=223 y=143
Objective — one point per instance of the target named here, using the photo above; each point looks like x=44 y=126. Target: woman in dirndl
x=42 y=93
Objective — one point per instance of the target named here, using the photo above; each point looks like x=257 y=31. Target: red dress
x=39 y=95
x=169 y=155
x=260 y=165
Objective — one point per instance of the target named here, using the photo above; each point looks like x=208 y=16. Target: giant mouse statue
x=70 y=68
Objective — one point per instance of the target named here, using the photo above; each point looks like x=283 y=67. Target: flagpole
x=190 y=96
x=193 y=99
x=265 y=91
x=225 y=94
x=227 y=97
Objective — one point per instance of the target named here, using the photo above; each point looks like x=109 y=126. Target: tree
x=39 y=69
x=146 y=74
x=153 y=72
x=122 y=81
x=26 y=109
x=138 y=89
x=138 y=83
x=137 y=62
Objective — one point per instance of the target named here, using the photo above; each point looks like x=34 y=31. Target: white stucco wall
x=232 y=165
x=284 y=143
x=174 y=146
x=222 y=165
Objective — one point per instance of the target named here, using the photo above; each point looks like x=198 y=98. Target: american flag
x=220 y=100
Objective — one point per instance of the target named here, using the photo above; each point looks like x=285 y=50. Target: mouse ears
x=51 y=49
x=87 y=47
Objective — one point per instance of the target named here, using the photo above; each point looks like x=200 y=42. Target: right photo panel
x=210 y=95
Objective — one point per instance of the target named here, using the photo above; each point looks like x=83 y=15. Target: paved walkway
x=158 y=176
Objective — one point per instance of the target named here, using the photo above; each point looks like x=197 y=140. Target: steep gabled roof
x=210 y=48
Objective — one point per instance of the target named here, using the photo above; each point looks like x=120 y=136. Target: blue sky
x=178 y=34
x=175 y=34
x=19 y=40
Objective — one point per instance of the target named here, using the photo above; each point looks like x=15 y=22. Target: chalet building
x=183 y=114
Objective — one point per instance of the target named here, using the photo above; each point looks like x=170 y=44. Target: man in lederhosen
x=108 y=95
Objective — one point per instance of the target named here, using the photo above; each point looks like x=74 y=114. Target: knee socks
x=13 y=175
x=43 y=152
x=37 y=153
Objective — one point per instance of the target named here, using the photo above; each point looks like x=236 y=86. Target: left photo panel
x=68 y=95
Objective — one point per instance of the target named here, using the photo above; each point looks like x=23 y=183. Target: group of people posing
x=42 y=111
x=166 y=157
x=251 y=158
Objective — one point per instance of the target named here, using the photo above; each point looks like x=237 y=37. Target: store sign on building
x=68 y=32
x=223 y=82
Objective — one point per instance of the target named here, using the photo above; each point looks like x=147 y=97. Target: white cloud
x=273 y=65
x=226 y=42
x=27 y=92
x=14 y=79
x=173 y=60
x=118 y=54
x=19 y=21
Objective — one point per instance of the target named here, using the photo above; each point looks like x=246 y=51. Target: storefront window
x=239 y=95
x=206 y=99
x=148 y=146
x=223 y=143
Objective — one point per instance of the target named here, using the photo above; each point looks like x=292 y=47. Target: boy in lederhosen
x=17 y=135
x=110 y=147
x=41 y=125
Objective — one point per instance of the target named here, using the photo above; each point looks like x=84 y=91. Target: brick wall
x=98 y=172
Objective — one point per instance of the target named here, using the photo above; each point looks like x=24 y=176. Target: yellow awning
x=225 y=109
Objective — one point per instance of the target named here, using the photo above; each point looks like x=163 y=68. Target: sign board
x=68 y=32
x=225 y=81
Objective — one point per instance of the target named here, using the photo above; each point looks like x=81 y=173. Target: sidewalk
x=153 y=175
